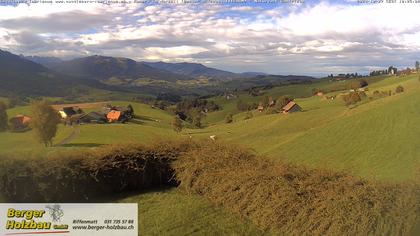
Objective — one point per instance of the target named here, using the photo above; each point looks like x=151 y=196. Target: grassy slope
x=295 y=91
x=381 y=141
x=171 y=212
x=366 y=139
x=152 y=124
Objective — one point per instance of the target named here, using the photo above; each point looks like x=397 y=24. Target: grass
x=296 y=200
x=295 y=91
x=151 y=124
x=377 y=139
x=171 y=212
x=366 y=140
x=22 y=144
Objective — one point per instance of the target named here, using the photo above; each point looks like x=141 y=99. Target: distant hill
x=49 y=62
x=103 y=68
x=48 y=76
x=197 y=70
x=19 y=76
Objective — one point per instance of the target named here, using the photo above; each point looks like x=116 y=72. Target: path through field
x=74 y=134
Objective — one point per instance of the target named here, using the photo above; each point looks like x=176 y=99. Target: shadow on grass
x=145 y=118
x=136 y=121
x=198 y=132
x=118 y=197
x=82 y=145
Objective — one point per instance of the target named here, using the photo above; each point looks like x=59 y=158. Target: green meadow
x=374 y=139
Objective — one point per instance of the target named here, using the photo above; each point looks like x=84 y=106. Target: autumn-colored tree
x=3 y=117
x=44 y=121
x=177 y=124
x=399 y=89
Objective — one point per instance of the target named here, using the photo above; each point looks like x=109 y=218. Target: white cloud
x=170 y=52
x=282 y=37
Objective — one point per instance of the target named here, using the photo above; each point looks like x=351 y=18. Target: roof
x=21 y=118
x=113 y=115
x=289 y=106
x=69 y=111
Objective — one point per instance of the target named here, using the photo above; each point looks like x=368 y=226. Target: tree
x=417 y=66
x=351 y=98
x=281 y=102
x=197 y=121
x=13 y=101
x=241 y=106
x=177 y=124
x=265 y=101
x=3 y=117
x=229 y=118
x=44 y=121
x=358 y=84
x=399 y=89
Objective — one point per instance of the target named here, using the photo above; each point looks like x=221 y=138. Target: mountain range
x=102 y=68
x=50 y=76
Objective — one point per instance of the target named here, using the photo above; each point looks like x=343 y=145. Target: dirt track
x=74 y=134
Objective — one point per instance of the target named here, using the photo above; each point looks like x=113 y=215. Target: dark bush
x=229 y=118
x=357 y=84
x=351 y=98
x=399 y=89
x=89 y=175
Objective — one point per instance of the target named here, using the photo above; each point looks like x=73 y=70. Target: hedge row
x=89 y=175
x=292 y=200
x=295 y=200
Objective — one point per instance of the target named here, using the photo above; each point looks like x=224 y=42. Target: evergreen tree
x=3 y=117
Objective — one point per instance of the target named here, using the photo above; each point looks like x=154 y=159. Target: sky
x=311 y=38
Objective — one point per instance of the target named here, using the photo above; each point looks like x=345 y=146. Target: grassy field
x=366 y=140
x=170 y=212
x=375 y=139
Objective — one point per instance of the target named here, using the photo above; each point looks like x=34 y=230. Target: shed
x=20 y=121
x=291 y=107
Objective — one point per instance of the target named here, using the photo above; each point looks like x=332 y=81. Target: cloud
x=316 y=38
x=58 y=22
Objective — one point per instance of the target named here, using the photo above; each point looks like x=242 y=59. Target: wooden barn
x=291 y=107
x=20 y=122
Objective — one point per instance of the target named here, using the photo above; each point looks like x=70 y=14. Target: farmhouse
x=291 y=107
x=121 y=114
x=68 y=112
x=113 y=116
x=20 y=122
